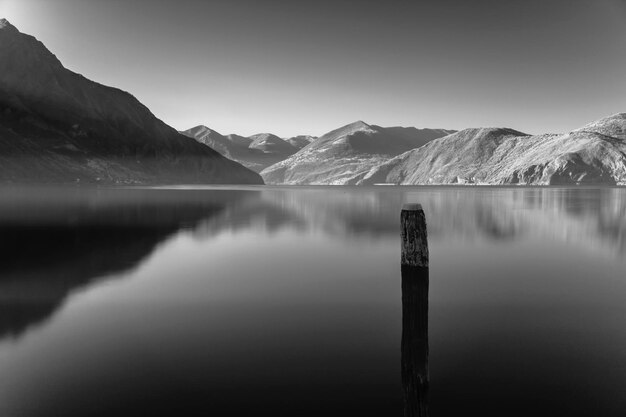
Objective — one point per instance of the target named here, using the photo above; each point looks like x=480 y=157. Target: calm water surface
x=288 y=302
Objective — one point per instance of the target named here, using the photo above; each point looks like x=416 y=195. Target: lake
x=288 y=301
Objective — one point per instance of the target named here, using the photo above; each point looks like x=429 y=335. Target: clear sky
x=306 y=67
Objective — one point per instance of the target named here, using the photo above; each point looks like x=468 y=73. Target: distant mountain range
x=58 y=126
x=363 y=154
x=338 y=157
x=256 y=152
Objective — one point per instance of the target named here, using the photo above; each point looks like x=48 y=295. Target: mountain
x=344 y=155
x=58 y=126
x=223 y=144
x=239 y=140
x=268 y=143
x=255 y=152
x=593 y=154
x=301 y=141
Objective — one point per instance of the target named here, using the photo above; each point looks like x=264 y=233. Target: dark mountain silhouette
x=58 y=126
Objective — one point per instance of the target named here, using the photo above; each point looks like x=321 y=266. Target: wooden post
x=415 y=283
x=414 y=236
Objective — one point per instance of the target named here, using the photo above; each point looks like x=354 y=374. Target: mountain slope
x=344 y=155
x=593 y=154
x=58 y=126
x=227 y=145
x=301 y=141
x=269 y=143
x=239 y=140
x=222 y=144
x=255 y=152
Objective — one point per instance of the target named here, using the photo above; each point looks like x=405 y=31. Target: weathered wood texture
x=414 y=236
x=414 y=347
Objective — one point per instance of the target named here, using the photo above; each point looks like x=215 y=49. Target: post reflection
x=414 y=346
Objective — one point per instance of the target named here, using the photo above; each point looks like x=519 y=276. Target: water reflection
x=291 y=297
x=54 y=241
x=591 y=218
x=414 y=347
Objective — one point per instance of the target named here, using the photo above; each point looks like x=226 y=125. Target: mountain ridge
x=343 y=155
x=255 y=152
x=58 y=126
x=592 y=154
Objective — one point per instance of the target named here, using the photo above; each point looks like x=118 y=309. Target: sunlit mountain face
x=592 y=155
x=344 y=155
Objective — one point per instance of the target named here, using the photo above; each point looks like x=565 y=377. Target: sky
x=307 y=67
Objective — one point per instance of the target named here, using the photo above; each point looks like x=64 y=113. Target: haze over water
x=288 y=301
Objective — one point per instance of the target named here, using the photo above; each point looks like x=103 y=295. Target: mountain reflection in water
x=592 y=217
x=55 y=240
x=185 y=300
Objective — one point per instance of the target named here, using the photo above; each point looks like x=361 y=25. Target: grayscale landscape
x=330 y=208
